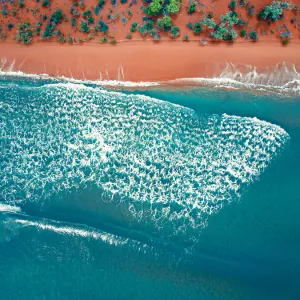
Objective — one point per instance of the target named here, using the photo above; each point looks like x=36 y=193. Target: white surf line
x=9 y=208
x=100 y=81
x=67 y=230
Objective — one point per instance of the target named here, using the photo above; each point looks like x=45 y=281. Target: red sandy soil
x=145 y=60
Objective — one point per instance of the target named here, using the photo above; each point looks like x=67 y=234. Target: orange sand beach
x=142 y=61
x=141 y=58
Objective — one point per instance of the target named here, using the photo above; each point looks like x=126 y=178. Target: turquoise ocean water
x=158 y=194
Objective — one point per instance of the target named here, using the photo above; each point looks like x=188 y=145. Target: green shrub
x=185 y=38
x=251 y=10
x=175 y=31
x=173 y=6
x=103 y=27
x=155 y=8
x=57 y=16
x=197 y=28
x=103 y=39
x=243 y=33
x=230 y=36
x=129 y=36
x=190 y=25
x=274 y=11
x=285 y=42
x=21 y=3
x=46 y=3
x=242 y=3
x=84 y=27
x=192 y=8
x=24 y=33
x=232 y=5
x=10 y=26
x=146 y=28
x=133 y=27
x=209 y=22
x=253 y=36
x=48 y=31
x=224 y=33
x=165 y=23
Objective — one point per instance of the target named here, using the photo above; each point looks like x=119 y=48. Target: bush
x=274 y=11
x=21 y=3
x=185 y=38
x=46 y=3
x=243 y=33
x=10 y=26
x=197 y=28
x=175 y=32
x=133 y=27
x=192 y=8
x=232 y=5
x=165 y=23
x=103 y=27
x=253 y=36
x=146 y=28
x=230 y=36
x=173 y=6
x=251 y=10
x=57 y=16
x=223 y=33
x=155 y=8
x=208 y=22
x=129 y=36
x=285 y=42
x=103 y=39
x=84 y=27
x=48 y=31
x=24 y=33
x=190 y=25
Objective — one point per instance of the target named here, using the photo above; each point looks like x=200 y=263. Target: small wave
x=67 y=230
x=9 y=208
x=105 y=83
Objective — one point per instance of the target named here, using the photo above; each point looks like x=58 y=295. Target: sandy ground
x=142 y=61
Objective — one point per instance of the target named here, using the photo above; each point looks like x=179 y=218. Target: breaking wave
x=137 y=161
x=284 y=78
x=7 y=70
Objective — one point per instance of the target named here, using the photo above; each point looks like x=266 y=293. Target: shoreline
x=143 y=61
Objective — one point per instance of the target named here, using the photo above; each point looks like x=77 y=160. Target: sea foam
x=164 y=168
x=284 y=78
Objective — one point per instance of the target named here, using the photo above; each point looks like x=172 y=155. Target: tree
x=192 y=8
x=274 y=11
x=173 y=7
x=165 y=23
x=57 y=16
x=155 y=7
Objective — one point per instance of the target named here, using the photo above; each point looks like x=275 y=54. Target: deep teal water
x=108 y=195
